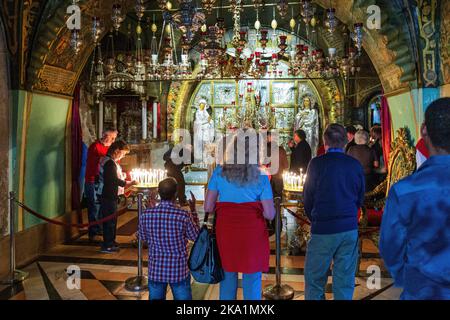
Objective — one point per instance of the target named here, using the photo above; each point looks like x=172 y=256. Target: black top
x=111 y=181
x=300 y=156
x=349 y=145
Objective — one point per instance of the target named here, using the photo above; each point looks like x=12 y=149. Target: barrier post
x=15 y=276
x=278 y=291
x=139 y=282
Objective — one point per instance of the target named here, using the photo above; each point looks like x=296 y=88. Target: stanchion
x=140 y=282
x=278 y=291
x=15 y=276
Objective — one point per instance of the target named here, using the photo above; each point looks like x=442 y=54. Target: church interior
x=71 y=70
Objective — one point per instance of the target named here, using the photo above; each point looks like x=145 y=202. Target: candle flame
x=293 y=181
x=148 y=178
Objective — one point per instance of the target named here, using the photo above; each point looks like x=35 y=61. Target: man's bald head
x=167 y=189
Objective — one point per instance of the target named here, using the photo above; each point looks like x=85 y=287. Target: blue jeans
x=251 y=284
x=93 y=208
x=180 y=290
x=342 y=250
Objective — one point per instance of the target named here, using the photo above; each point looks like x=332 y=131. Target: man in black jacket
x=111 y=183
x=301 y=152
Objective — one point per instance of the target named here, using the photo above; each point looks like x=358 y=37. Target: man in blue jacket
x=415 y=231
x=333 y=193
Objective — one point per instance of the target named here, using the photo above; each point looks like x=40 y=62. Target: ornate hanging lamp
x=208 y=5
x=117 y=16
x=306 y=11
x=357 y=36
x=331 y=22
x=140 y=9
x=188 y=19
x=282 y=7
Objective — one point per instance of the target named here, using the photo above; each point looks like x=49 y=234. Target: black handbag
x=204 y=260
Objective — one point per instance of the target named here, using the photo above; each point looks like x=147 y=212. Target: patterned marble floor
x=103 y=275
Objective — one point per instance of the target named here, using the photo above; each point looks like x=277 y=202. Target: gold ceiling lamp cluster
x=255 y=53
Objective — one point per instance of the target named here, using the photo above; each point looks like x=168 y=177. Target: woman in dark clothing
x=366 y=156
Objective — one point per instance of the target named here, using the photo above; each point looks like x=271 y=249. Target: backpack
x=204 y=260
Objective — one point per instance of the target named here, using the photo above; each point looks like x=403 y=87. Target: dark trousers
x=108 y=207
x=181 y=183
x=93 y=207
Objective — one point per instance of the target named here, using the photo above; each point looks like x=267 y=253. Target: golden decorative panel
x=56 y=80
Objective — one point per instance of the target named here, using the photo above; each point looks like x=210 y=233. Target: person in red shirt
x=96 y=151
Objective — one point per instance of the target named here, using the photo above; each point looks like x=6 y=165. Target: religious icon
x=307 y=119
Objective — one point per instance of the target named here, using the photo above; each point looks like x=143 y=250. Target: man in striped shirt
x=167 y=229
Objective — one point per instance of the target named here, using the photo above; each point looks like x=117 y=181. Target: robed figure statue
x=203 y=131
x=307 y=119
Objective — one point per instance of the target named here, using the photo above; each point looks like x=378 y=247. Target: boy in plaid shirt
x=167 y=229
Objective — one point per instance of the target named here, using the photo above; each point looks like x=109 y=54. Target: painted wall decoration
x=427 y=10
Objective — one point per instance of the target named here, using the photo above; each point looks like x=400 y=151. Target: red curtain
x=77 y=151
x=386 y=129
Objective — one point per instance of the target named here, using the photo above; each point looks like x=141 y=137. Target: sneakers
x=113 y=249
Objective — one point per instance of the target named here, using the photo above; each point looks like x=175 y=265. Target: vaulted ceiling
x=41 y=44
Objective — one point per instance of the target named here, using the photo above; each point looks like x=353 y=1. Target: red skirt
x=242 y=237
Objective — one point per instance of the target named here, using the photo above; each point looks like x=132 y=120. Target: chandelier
x=253 y=53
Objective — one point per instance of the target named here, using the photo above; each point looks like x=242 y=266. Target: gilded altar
x=402 y=163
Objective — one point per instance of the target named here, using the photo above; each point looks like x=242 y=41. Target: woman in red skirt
x=242 y=198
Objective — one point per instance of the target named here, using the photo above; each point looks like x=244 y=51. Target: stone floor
x=103 y=275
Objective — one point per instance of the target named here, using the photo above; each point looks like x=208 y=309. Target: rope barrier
x=304 y=221
x=72 y=225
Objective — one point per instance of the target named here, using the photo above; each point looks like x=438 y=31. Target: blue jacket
x=333 y=192
x=415 y=232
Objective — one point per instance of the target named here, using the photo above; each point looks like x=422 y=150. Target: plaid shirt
x=167 y=229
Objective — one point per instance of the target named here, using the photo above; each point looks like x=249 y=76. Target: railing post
x=15 y=276
x=278 y=291
x=139 y=282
